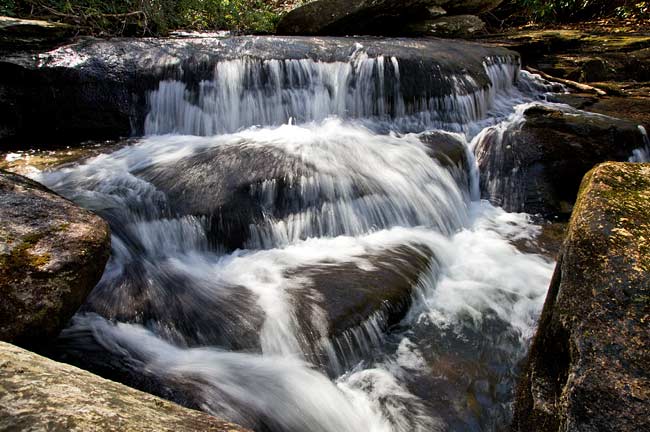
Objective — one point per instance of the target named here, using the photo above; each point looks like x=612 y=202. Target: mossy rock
x=39 y=394
x=52 y=253
x=589 y=363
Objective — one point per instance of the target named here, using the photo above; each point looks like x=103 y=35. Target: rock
x=52 y=253
x=384 y=17
x=535 y=165
x=587 y=54
x=344 y=17
x=349 y=301
x=41 y=394
x=225 y=183
x=454 y=26
x=242 y=189
x=101 y=89
x=451 y=151
x=633 y=109
x=470 y=6
x=19 y=34
x=588 y=366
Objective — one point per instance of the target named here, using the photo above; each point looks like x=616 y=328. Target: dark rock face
x=41 y=394
x=98 y=89
x=342 y=17
x=536 y=166
x=454 y=26
x=52 y=253
x=588 y=364
x=18 y=34
x=384 y=17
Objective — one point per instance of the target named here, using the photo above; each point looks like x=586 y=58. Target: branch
x=568 y=83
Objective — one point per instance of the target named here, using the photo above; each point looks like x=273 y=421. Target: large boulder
x=588 y=367
x=384 y=17
x=350 y=312
x=104 y=89
x=41 y=394
x=52 y=253
x=535 y=165
x=227 y=184
x=242 y=189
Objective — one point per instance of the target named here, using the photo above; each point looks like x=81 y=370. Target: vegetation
x=559 y=11
x=150 y=17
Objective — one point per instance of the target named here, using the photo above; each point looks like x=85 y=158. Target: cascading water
x=253 y=259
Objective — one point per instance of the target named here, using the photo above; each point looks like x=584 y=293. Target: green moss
x=20 y=257
x=622 y=191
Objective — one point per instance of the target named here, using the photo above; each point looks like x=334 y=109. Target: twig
x=568 y=83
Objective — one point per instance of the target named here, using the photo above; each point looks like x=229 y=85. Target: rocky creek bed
x=298 y=242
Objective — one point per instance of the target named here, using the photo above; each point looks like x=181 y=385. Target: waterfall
x=252 y=92
x=298 y=244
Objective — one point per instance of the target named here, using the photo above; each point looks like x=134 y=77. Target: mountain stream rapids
x=293 y=249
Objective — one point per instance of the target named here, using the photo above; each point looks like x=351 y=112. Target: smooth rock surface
x=536 y=166
x=52 y=253
x=588 y=366
x=39 y=394
x=351 y=300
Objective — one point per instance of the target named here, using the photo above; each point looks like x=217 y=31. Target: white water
x=249 y=92
x=366 y=194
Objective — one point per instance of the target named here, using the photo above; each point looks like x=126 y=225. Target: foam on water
x=247 y=92
x=222 y=328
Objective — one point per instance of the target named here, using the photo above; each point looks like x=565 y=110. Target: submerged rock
x=236 y=186
x=536 y=165
x=41 y=394
x=350 y=300
x=589 y=361
x=243 y=190
x=52 y=253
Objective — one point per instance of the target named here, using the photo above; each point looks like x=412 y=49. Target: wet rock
x=588 y=363
x=635 y=109
x=227 y=184
x=536 y=166
x=454 y=26
x=99 y=89
x=349 y=300
x=41 y=394
x=242 y=189
x=385 y=17
x=450 y=150
x=547 y=243
x=52 y=253
x=343 y=309
x=584 y=54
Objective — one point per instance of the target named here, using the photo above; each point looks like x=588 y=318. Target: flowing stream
x=294 y=248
